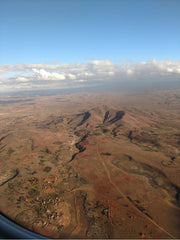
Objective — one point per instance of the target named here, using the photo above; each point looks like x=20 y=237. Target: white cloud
x=111 y=73
x=71 y=76
x=22 y=79
x=89 y=73
x=81 y=80
x=45 y=75
x=129 y=71
x=105 y=62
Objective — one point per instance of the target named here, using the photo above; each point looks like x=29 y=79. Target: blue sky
x=38 y=31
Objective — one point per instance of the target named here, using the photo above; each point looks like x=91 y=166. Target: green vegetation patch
x=46 y=203
x=57 y=142
x=10 y=151
x=46 y=150
x=33 y=192
x=105 y=130
x=83 y=181
x=97 y=133
x=146 y=137
x=118 y=160
x=47 y=169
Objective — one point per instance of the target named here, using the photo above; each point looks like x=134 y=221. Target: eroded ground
x=92 y=165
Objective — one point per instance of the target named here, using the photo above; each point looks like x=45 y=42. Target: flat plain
x=92 y=164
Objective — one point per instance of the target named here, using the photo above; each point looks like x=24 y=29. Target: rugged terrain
x=92 y=165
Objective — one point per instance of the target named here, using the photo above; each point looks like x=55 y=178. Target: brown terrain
x=92 y=165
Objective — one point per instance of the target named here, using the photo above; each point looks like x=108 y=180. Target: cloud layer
x=91 y=73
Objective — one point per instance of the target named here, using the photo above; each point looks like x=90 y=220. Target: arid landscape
x=92 y=164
